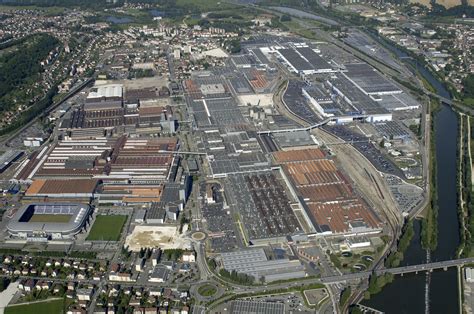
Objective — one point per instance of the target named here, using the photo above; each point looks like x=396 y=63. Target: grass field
x=295 y=27
x=469 y=101
x=50 y=218
x=207 y=290
x=50 y=307
x=207 y=5
x=107 y=228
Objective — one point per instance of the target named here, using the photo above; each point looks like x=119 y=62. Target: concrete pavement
x=7 y=295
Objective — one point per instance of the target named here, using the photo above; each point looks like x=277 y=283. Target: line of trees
x=468 y=83
x=72 y=254
x=236 y=277
x=459 y=10
x=92 y=4
x=466 y=210
x=429 y=226
x=395 y=258
x=345 y=294
x=376 y=283
x=173 y=254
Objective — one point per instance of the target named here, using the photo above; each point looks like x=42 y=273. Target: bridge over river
x=400 y=270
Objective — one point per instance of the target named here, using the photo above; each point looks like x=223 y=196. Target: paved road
x=7 y=294
x=400 y=270
x=313 y=126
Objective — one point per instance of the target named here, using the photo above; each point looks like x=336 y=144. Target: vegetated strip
x=429 y=226
x=465 y=193
x=72 y=254
x=395 y=258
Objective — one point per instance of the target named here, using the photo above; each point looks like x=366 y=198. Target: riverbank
x=464 y=184
x=395 y=258
x=429 y=227
x=408 y=293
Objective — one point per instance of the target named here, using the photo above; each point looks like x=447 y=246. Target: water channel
x=406 y=294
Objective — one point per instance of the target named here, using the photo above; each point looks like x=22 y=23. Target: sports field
x=107 y=228
x=50 y=307
x=50 y=218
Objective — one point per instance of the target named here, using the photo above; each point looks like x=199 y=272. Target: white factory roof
x=109 y=90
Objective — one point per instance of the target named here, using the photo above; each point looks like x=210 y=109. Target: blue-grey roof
x=78 y=212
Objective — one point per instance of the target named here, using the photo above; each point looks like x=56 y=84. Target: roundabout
x=198 y=236
x=207 y=291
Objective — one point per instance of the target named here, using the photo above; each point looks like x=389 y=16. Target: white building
x=106 y=90
x=189 y=257
x=469 y=274
x=357 y=242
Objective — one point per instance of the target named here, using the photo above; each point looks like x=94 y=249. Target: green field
x=107 y=228
x=50 y=218
x=50 y=307
x=468 y=101
x=207 y=290
x=206 y=5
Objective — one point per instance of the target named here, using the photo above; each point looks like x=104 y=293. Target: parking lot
x=297 y=104
x=364 y=43
x=407 y=196
x=219 y=223
x=292 y=301
x=263 y=205
x=366 y=148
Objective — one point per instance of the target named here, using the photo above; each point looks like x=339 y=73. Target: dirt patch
x=165 y=237
x=262 y=100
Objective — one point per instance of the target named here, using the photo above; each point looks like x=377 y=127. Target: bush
x=346 y=293
x=285 y=18
x=236 y=277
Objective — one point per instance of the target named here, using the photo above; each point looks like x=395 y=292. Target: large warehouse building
x=48 y=221
x=327 y=196
x=254 y=262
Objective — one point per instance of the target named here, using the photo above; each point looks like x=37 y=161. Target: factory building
x=171 y=203
x=320 y=100
x=70 y=188
x=304 y=60
x=328 y=199
x=106 y=90
x=254 y=262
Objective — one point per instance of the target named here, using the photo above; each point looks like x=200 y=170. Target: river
x=406 y=294
x=305 y=15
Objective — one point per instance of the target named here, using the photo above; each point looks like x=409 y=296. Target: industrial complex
x=204 y=173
